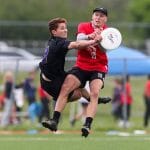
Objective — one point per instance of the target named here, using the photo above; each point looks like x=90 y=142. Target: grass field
x=73 y=142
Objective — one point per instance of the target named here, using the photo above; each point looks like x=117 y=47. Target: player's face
x=61 y=31
x=99 y=19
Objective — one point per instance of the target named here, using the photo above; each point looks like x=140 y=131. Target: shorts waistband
x=45 y=78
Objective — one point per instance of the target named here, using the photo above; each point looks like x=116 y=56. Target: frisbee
x=111 y=38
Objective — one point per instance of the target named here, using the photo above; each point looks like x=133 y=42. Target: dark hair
x=53 y=24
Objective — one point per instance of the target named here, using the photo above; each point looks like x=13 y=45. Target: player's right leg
x=50 y=124
x=53 y=88
x=95 y=86
x=68 y=86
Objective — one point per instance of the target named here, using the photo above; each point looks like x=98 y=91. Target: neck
x=95 y=27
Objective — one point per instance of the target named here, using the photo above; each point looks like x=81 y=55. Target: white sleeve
x=82 y=36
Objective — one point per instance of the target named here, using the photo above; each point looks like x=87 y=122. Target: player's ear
x=53 y=32
x=105 y=19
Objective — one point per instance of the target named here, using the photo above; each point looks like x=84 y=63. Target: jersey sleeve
x=64 y=45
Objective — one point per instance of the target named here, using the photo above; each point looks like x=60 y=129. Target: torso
x=52 y=64
x=92 y=58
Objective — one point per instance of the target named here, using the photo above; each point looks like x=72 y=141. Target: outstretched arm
x=81 y=44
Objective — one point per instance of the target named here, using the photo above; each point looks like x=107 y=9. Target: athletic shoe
x=104 y=100
x=50 y=124
x=85 y=131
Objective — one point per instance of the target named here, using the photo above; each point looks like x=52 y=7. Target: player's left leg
x=95 y=86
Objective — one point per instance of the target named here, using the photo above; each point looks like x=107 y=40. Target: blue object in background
x=124 y=60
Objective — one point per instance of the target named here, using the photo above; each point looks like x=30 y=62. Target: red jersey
x=42 y=93
x=127 y=97
x=91 y=58
x=147 y=89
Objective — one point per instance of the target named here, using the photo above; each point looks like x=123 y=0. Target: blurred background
x=23 y=38
x=24 y=23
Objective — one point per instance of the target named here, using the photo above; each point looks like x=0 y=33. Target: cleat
x=50 y=124
x=104 y=100
x=85 y=131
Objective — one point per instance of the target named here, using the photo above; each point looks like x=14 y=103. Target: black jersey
x=52 y=64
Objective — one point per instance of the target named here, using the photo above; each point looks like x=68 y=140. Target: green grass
x=73 y=142
x=98 y=140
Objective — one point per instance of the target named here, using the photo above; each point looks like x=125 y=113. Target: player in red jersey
x=91 y=65
x=146 y=97
x=93 y=58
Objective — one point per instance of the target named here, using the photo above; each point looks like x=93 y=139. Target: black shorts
x=85 y=76
x=53 y=87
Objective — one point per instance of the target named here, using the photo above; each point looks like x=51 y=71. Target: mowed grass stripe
x=65 y=139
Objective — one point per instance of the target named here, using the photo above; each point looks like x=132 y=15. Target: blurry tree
x=140 y=10
x=36 y=10
x=120 y=13
x=74 y=10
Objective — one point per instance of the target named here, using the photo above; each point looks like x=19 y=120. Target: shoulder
x=84 y=24
x=57 y=42
x=84 y=27
x=51 y=43
x=64 y=42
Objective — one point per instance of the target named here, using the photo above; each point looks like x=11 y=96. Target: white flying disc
x=111 y=38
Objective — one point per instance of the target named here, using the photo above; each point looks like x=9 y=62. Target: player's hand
x=98 y=31
x=96 y=34
x=98 y=37
x=91 y=36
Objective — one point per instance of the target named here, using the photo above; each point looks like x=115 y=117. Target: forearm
x=91 y=36
x=82 y=36
x=81 y=44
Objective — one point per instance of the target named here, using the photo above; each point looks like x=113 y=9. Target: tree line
x=119 y=11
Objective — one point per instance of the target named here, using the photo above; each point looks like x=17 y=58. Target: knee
x=94 y=95
x=78 y=93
